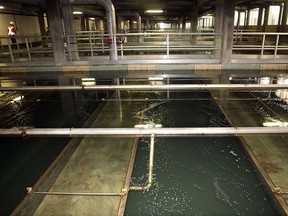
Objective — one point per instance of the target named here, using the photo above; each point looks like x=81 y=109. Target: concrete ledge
x=123 y=69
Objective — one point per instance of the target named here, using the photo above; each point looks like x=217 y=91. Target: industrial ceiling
x=171 y=9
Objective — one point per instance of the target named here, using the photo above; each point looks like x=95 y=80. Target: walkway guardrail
x=163 y=45
x=262 y=44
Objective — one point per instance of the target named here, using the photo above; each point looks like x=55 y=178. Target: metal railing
x=273 y=44
x=90 y=47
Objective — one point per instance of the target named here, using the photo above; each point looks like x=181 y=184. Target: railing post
x=263 y=45
x=167 y=45
x=91 y=46
x=28 y=49
x=276 y=47
x=10 y=51
x=69 y=48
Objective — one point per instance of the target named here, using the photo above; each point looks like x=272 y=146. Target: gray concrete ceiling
x=172 y=9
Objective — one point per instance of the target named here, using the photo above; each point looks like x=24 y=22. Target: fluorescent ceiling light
x=155 y=78
x=154 y=11
x=77 y=12
x=92 y=18
x=1 y=7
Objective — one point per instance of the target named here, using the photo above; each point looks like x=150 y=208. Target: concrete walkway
x=98 y=165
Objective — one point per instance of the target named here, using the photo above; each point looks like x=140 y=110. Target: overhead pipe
x=150 y=87
x=185 y=131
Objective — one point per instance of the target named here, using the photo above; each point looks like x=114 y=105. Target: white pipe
x=185 y=131
x=150 y=174
x=150 y=87
x=75 y=193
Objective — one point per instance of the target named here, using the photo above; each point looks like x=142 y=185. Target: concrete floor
x=98 y=165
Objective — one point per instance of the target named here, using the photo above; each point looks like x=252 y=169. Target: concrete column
x=226 y=23
x=56 y=31
x=218 y=27
x=131 y=24
x=259 y=21
x=266 y=15
x=238 y=21
x=42 y=29
x=69 y=27
x=284 y=17
x=99 y=25
x=83 y=28
x=148 y=24
x=247 y=19
x=194 y=21
x=184 y=24
x=41 y=23
x=66 y=98
x=87 y=25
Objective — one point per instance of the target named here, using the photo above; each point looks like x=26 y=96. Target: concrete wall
x=25 y=25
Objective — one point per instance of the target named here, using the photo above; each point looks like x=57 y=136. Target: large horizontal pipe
x=150 y=87
x=142 y=131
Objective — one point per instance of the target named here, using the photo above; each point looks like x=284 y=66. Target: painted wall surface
x=25 y=26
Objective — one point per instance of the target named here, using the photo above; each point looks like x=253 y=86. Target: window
x=253 y=16
x=274 y=14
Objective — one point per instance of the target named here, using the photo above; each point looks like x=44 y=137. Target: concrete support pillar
x=66 y=98
x=184 y=24
x=247 y=19
x=83 y=28
x=41 y=23
x=266 y=15
x=69 y=27
x=118 y=24
x=56 y=31
x=99 y=25
x=284 y=17
x=194 y=21
x=225 y=25
x=218 y=28
x=238 y=20
x=131 y=24
x=87 y=25
x=259 y=21
x=148 y=24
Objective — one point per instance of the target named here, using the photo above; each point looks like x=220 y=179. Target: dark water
x=195 y=175
x=24 y=160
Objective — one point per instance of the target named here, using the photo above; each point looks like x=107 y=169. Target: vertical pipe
x=111 y=25
x=151 y=160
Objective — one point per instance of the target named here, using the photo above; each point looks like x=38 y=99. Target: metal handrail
x=96 y=43
x=183 y=131
x=149 y=87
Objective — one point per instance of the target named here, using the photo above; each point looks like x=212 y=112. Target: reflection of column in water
x=282 y=93
x=66 y=98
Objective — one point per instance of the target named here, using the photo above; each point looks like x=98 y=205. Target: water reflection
x=196 y=175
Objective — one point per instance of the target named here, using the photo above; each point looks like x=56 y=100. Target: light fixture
x=154 y=11
x=1 y=7
x=92 y=18
x=77 y=12
x=155 y=78
x=88 y=81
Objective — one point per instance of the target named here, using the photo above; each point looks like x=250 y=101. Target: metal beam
x=185 y=131
x=150 y=87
